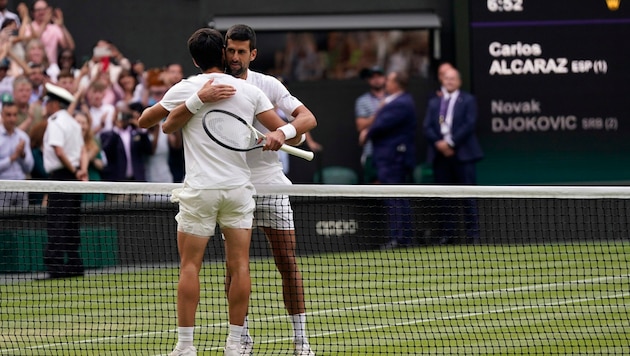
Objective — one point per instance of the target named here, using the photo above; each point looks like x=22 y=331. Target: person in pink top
x=47 y=24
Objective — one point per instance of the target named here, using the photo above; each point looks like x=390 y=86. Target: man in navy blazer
x=393 y=136
x=453 y=149
x=124 y=143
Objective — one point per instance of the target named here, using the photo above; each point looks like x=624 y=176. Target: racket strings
x=230 y=131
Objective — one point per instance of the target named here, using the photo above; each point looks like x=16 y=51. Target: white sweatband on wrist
x=289 y=131
x=193 y=104
x=302 y=139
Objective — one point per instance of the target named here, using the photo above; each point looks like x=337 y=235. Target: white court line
x=426 y=300
x=448 y=317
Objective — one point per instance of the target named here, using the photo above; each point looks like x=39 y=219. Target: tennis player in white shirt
x=217 y=187
x=273 y=213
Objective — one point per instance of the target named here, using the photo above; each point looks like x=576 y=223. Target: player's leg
x=191 y=250
x=283 y=247
x=237 y=243
x=235 y=219
x=196 y=221
x=282 y=244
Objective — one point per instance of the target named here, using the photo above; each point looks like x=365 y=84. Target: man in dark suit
x=393 y=136
x=453 y=150
x=126 y=147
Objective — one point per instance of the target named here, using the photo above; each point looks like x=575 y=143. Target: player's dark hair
x=242 y=32
x=206 y=48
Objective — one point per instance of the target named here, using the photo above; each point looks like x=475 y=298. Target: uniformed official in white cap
x=65 y=158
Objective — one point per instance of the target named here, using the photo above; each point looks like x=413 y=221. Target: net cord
x=330 y=190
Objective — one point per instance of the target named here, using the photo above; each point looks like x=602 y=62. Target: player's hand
x=274 y=140
x=214 y=92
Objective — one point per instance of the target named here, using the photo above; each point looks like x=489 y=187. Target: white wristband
x=193 y=104
x=289 y=131
x=302 y=139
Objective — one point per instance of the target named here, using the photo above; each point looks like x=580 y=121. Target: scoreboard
x=552 y=80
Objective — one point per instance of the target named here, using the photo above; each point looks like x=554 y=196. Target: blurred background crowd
x=110 y=91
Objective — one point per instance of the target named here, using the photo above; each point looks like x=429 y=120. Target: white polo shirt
x=62 y=131
x=208 y=165
x=266 y=164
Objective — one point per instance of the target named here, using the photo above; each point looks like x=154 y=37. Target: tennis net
x=415 y=270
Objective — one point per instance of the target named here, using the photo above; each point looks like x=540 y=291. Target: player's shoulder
x=261 y=79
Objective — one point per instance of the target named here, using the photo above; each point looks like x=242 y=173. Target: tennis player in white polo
x=217 y=187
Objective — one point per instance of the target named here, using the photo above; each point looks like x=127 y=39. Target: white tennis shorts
x=274 y=211
x=201 y=209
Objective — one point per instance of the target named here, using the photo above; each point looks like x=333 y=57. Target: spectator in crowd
x=103 y=114
x=65 y=158
x=5 y=14
x=114 y=151
x=93 y=151
x=36 y=56
x=68 y=62
x=6 y=80
x=364 y=109
x=67 y=81
x=157 y=83
x=12 y=42
x=38 y=172
x=106 y=65
x=48 y=25
x=453 y=150
x=37 y=77
x=127 y=89
x=28 y=114
x=16 y=158
x=173 y=74
x=138 y=70
x=158 y=167
x=135 y=141
x=393 y=134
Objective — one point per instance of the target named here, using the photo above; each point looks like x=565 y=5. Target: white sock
x=245 y=333
x=299 y=328
x=185 y=336
x=235 y=334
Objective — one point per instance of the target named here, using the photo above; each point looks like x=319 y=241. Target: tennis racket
x=234 y=133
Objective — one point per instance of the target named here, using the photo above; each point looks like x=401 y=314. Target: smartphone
x=105 y=61
x=101 y=52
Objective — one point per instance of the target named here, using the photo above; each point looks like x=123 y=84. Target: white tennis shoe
x=234 y=349
x=303 y=350
x=247 y=345
x=189 y=351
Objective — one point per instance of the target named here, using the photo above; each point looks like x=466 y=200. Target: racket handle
x=307 y=155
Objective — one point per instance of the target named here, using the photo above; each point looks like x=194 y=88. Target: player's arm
x=304 y=120
x=179 y=117
x=276 y=137
x=151 y=116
